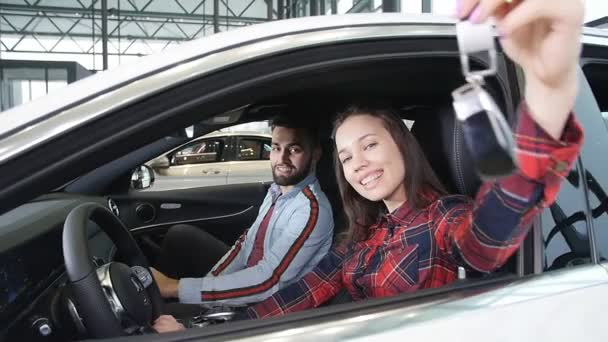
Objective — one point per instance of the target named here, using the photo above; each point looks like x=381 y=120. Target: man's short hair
x=309 y=129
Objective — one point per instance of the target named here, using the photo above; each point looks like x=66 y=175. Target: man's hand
x=167 y=323
x=167 y=286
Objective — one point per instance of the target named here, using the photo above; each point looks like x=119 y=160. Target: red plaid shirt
x=412 y=249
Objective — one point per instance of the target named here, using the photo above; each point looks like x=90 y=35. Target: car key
x=487 y=135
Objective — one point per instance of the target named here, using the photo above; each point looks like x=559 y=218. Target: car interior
x=224 y=211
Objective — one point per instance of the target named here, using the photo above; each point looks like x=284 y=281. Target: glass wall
x=23 y=81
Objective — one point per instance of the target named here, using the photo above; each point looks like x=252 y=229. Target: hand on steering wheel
x=115 y=299
x=167 y=286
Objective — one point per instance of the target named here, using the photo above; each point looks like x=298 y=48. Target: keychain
x=487 y=134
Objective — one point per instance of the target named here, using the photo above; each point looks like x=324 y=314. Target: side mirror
x=142 y=177
x=161 y=162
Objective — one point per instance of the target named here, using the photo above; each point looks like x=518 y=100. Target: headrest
x=442 y=141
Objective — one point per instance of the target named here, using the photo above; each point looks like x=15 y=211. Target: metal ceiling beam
x=427 y=6
x=361 y=6
x=216 y=16
x=314 y=7
x=104 y=33
x=136 y=14
x=390 y=6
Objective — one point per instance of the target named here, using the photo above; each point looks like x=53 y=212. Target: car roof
x=35 y=122
x=234 y=134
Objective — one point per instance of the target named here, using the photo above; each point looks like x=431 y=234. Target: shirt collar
x=275 y=189
x=401 y=214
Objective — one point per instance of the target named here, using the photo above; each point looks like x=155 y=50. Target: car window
x=205 y=151
x=211 y=160
x=565 y=235
x=408 y=123
x=597 y=75
x=594 y=154
x=564 y=226
x=253 y=149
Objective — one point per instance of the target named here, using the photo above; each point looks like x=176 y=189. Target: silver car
x=71 y=229
x=214 y=159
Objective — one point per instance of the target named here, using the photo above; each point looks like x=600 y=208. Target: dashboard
x=32 y=271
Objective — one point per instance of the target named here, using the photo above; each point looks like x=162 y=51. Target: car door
x=595 y=67
x=200 y=163
x=252 y=161
x=192 y=190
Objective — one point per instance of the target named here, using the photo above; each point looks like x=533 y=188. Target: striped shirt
x=292 y=241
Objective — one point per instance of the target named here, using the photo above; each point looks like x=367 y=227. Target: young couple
x=404 y=232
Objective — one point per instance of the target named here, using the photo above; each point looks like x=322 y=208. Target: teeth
x=370 y=178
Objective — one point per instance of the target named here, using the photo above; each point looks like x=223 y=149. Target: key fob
x=487 y=134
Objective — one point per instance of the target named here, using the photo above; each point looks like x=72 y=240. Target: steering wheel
x=114 y=299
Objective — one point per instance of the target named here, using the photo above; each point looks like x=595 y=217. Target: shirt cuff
x=189 y=290
x=542 y=158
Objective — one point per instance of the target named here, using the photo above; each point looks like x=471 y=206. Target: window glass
x=266 y=148
x=565 y=236
x=21 y=85
x=594 y=154
x=206 y=151
x=408 y=123
x=253 y=149
x=214 y=159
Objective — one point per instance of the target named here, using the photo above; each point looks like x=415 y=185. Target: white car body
x=225 y=170
x=565 y=305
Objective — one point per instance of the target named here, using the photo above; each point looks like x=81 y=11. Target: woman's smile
x=371 y=180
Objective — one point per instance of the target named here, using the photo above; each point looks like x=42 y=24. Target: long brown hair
x=419 y=176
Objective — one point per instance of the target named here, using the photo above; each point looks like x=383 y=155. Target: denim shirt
x=298 y=235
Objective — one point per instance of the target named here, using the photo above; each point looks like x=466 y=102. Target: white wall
x=596 y=9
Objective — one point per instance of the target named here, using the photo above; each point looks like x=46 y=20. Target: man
x=292 y=232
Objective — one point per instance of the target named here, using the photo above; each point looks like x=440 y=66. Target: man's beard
x=292 y=179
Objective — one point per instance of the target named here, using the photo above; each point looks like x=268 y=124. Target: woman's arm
x=315 y=288
x=544 y=39
x=485 y=233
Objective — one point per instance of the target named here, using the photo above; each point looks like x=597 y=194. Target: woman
x=404 y=232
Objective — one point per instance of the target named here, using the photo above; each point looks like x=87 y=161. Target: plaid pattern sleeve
x=314 y=289
x=484 y=234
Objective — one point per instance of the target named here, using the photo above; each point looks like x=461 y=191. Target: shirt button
x=561 y=166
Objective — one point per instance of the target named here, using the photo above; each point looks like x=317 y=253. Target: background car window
x=565 y=235
x=253 y=149
x=266 y=148
x=564 y=224
x=597 y=75
x=594 y=154
x=210 y=160
x=206 y=151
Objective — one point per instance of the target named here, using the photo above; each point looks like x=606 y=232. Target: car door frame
x=595 y=52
